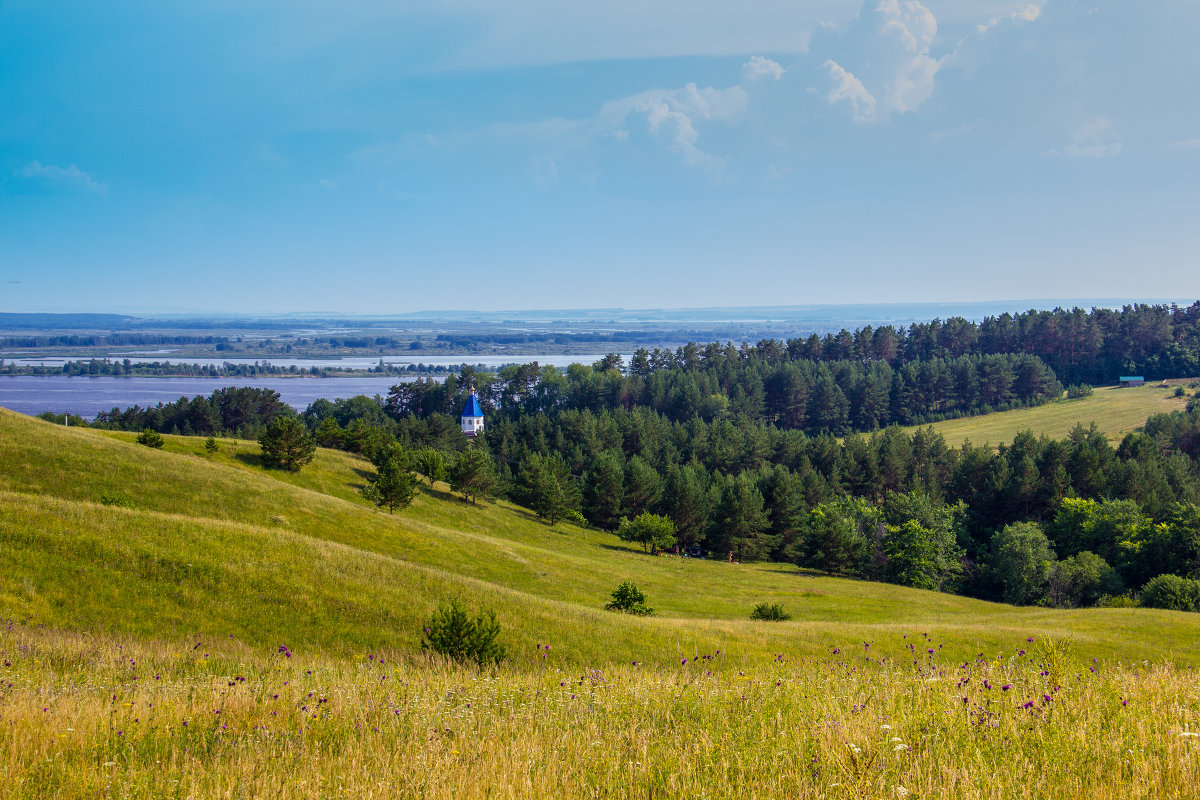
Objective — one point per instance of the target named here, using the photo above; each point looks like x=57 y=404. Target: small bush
x=571 y=515
x=150 y=438
x=455 y=635
x=1116 y=601
x=1171 y=592
x=1078 y=390
x=210 y=446
x=1179 y=392
x=115 y=498
x=771 y=612
x=628 y=599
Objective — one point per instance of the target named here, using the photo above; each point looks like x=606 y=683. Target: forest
x=789 y=451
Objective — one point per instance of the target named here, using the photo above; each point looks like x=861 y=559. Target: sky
x=369 y=157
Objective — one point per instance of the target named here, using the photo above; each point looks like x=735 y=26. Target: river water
x=87 y=396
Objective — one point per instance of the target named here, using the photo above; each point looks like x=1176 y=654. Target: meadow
x=1115 y=411
x=178 y=624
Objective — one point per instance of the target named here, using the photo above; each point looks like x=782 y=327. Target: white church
x=472 y=418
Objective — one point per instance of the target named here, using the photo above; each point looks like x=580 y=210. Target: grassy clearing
x=99 y=716
x=1115 y=411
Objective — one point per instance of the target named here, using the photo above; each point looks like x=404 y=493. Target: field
x=180 y=625
x=1115 y=411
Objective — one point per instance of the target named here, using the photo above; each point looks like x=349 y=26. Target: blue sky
x=389 y=157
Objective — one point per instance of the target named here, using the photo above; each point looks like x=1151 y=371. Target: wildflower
x=900 y=790
x=1006 y=687
x=900 y=746
x=1189 y=733
x=854 y=749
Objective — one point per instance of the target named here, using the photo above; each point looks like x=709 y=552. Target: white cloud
x=1026 y=13
x=971 y=49
x=71 y=176
x=758 y=68
x=882 y=62
x=1186 y=144
x=672 y=114
x=849 y=88
x=887 y=51
x=1093 y=139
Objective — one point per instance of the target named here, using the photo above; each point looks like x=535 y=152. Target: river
x=87 y=396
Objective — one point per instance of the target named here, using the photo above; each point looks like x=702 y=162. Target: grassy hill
x=1115 y=411
x=221 y=546
x=144 y=596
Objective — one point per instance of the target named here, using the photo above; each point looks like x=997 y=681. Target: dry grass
x=93 y=716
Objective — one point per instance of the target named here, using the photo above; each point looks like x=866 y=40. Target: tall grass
x=94 y=715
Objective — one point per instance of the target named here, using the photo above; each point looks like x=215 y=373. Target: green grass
x=139 y=643
x=1115 y=411
x=220 y=546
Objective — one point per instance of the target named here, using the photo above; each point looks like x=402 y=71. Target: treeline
x=126 y=367
x=812 y=396
x=1157 y=341
x=233 y=411
x=107 y=340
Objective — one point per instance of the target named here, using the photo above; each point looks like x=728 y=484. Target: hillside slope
x=223 y=547
x=1115 y=411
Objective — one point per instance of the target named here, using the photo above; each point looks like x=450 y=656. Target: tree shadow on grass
x=251 y=459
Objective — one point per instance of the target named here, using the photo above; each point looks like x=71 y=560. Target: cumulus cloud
x=672 y=114
x=849 y=88
x=882 y=62
x=71 y=176
x=888 y=65
x=758 y=68
x=971 y=50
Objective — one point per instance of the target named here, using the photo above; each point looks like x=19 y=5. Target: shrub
x=629 y=599
x=1171 y=592
x=1077 y=390
x=1116 y=601
x=115 y=498
x=455 y=635
x=571 y=515
x=150 y=438
x=771 y=612
x=210 y=446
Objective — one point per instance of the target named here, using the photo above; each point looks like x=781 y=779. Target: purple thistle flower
x=1006 y=687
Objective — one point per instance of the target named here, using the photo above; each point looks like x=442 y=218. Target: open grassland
x=100 y=716
x=224 y=547
x=146 y=596
x=1115 y=411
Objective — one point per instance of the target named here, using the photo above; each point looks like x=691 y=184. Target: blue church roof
x=473 y=409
